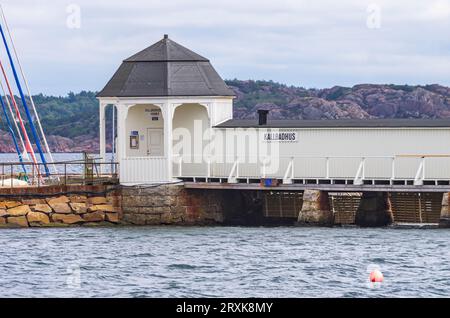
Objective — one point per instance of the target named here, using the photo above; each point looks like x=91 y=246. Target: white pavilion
x=156 y=91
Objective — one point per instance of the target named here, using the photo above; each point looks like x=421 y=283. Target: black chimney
x=262 y=115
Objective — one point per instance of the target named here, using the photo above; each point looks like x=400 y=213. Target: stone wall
x=171 y=205
x=59 y=207
x=62 y=206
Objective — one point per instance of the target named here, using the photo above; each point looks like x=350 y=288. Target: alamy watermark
x=373 y=16
x=73 y=20
x=200 y=145
x=73 y=279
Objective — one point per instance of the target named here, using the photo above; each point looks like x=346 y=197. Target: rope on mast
x=13 y=135
x=28 y=146
x=44 y=139
x=15 y=122
x=25 y=105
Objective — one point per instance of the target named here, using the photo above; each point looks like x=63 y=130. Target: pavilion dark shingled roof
x=166 y=69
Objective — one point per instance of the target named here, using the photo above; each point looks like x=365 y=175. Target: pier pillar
x=444 y=220
x=316 y=209
x=374 y=210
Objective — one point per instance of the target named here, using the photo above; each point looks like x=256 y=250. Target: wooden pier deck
x=317 y=186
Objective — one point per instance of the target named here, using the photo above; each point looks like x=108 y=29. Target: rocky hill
x=71 y=122
x=360 y=101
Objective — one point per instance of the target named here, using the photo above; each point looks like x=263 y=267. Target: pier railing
x=358 y=170
x=73 y=172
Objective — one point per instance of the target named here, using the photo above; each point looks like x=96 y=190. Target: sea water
x=223 y=262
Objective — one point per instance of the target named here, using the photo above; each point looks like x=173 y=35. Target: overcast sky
x=317 y=43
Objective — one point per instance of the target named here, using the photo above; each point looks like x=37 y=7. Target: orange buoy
x=376 y=276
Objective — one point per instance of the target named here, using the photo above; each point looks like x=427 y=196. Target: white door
x=155 y=142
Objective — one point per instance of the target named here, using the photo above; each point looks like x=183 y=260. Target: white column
x=212 y=108
x=113 y=134
x=122 y=113
x=102 y=127
x=168 y=119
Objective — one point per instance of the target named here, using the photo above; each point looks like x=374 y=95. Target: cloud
x=437 y=10
x=311 y=43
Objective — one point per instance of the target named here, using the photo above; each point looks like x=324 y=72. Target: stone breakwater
x=110 y=205
x=59 y=210
x=84 y=206
x=171 y=205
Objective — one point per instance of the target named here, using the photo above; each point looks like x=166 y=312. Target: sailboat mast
x=44 y=139
x=13 y=117
x=25 y=105
x=28 y=145
x=13 y=135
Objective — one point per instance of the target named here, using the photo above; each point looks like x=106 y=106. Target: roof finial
x=166 y=36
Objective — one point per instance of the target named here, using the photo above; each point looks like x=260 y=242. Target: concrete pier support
x=316 y=209
x=374 y=210
x=444 y=220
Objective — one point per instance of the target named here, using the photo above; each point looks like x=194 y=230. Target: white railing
x=140 y=170
x=416 y=168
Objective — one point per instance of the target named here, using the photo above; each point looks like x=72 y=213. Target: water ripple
x=222 y=262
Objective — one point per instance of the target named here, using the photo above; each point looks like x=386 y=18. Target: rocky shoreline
x=59 y=144
x=61 y=211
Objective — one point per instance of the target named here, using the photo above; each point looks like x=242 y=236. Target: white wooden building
x=162 y=88
x=174 y=121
